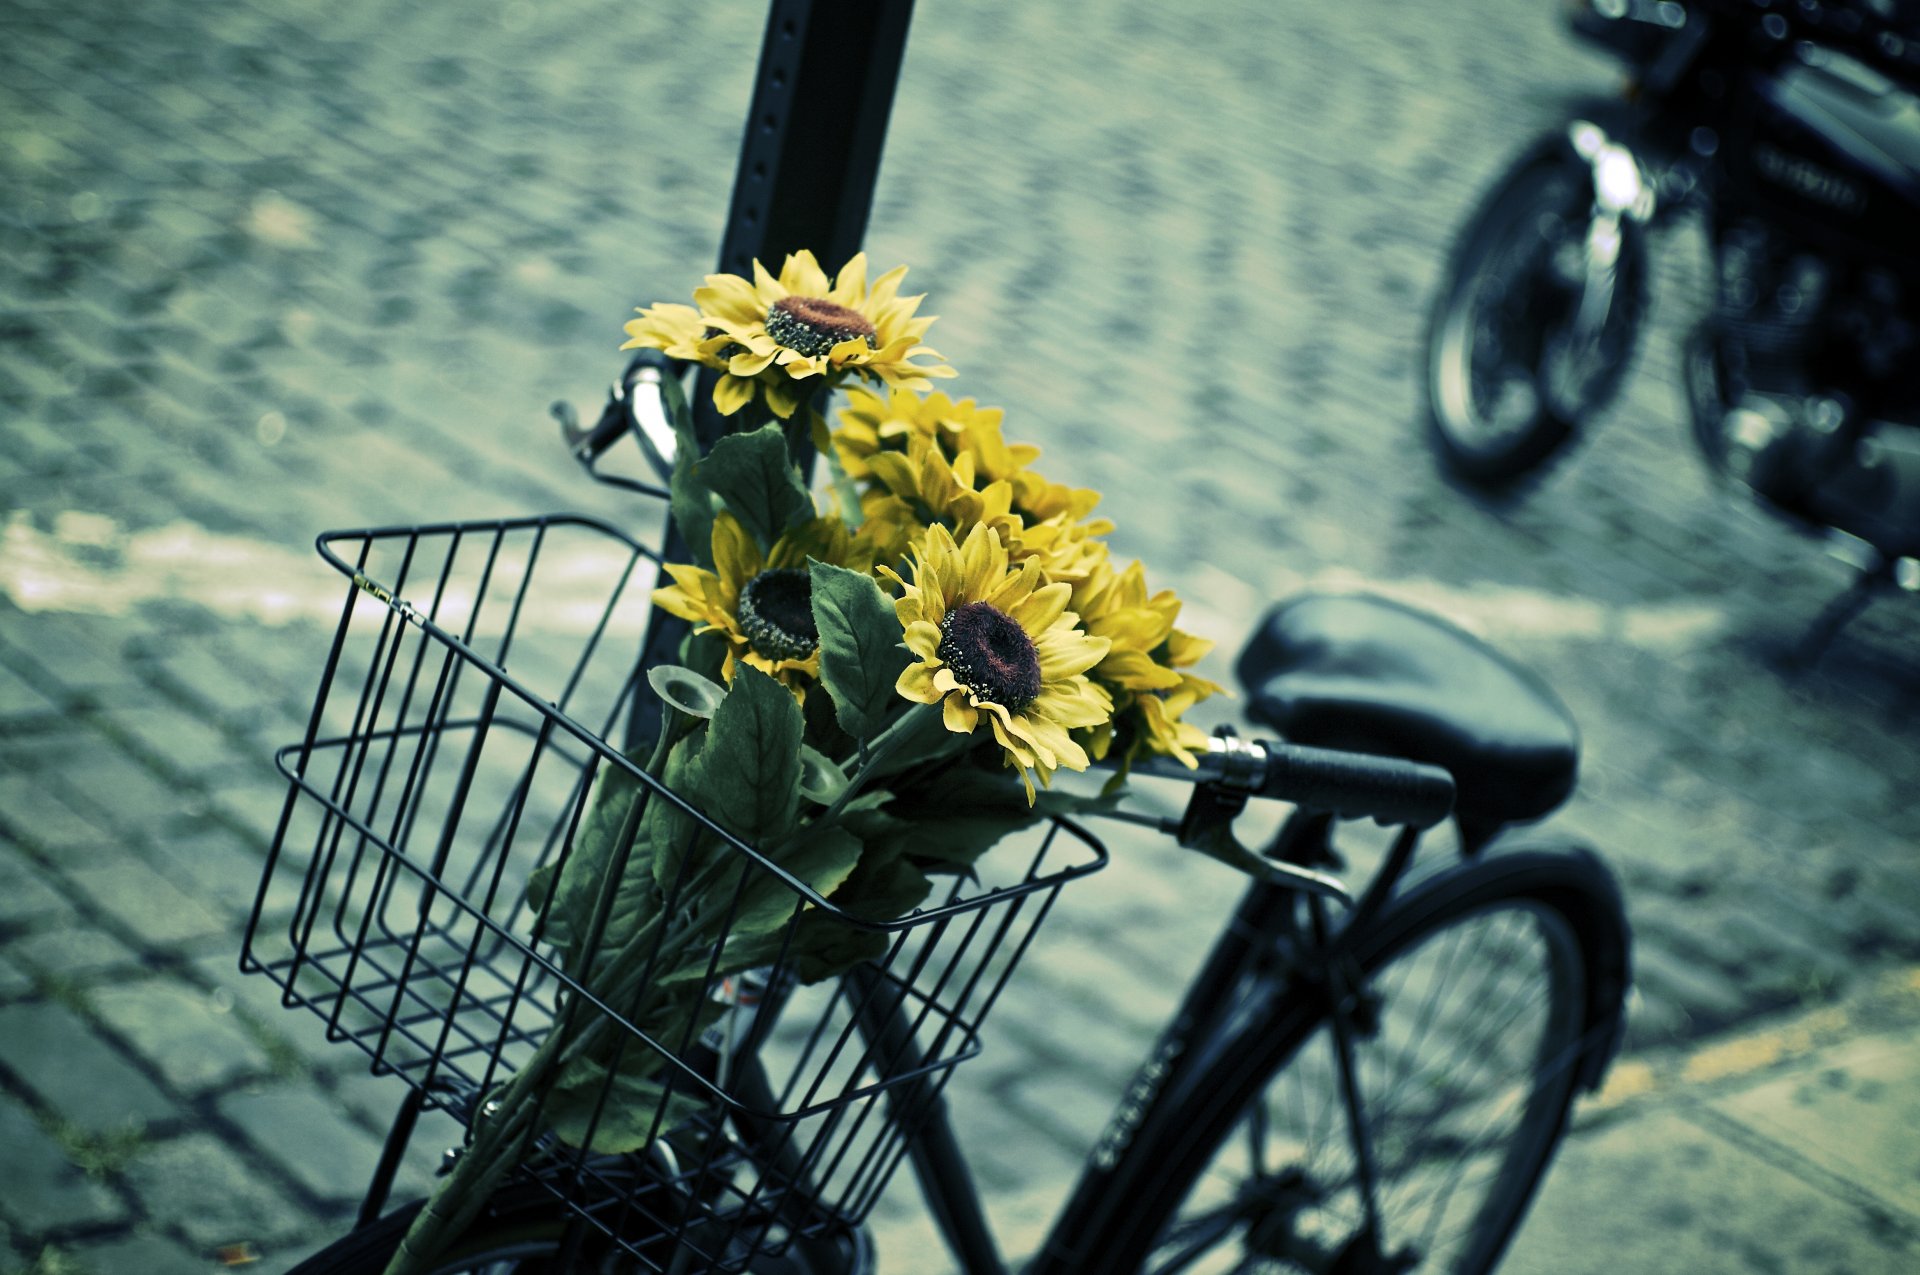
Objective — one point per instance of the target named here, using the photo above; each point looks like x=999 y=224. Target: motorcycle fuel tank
x=1836 y=145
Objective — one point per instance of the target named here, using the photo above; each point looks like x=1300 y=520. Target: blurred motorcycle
x=1792 y=127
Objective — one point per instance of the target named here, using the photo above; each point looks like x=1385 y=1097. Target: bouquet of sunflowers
x=874 y=681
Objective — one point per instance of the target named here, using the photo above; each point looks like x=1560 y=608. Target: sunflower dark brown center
x=991 y=655
x=776 y=614
x=814 y=325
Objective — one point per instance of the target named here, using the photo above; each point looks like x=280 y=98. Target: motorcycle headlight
x=1616 y=179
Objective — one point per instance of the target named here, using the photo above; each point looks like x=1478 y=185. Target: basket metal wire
x=475 y=675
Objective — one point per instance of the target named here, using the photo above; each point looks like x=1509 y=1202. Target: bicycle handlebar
x=1389 y=790
x=634 y=403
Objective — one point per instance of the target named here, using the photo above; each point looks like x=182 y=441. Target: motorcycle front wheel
x=1500 y=400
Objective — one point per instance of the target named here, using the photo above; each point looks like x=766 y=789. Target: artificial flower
x=771 y=334
x=996 y=641
x=762 y=606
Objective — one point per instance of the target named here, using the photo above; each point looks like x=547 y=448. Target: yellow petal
x=802 y=274
x=749 y=364
x=916 y=683
x=735 y=556
x=730 y=394
x=729 y=297
x=1136 y=671
x=782 y=397
x=1065 y=652
x=960 y=716
x=850 y=285
x=766 y=288
x=923 y=640
x=1037 y=612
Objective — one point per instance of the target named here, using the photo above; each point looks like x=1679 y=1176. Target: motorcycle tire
x=1489 y=416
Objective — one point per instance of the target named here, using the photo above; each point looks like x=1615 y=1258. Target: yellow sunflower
x=872 y=422
x=763 y=607
x=1143 y=665
x=998 y=641
x=1067 y=550
x=773 y=333
x=1114 y=605
x=938 y=490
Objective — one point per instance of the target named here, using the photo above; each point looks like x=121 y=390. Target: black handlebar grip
x=1358 y=785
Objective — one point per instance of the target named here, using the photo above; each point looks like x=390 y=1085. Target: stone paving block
x=1704 y=997
x=189 y=1037
x=150 y=904
x=1000 y=1147
x=309 y=1136
x=34 y=810
x=1662 y=1194
x=80 y=652
x=211 y=1195
x=1853 y=1114
x=180 y=742
x=20 y=699
x=296 y=1032
x=1069 y=1105
x=220 y=870
x=26 y=892
x=116 y=790
x=74 y=1073
x=254 y=802
x=143 y=1254
x=15 y=983
x=1027 y=1032
x=70 y=954
x=40 y=1189
x=376 y=1099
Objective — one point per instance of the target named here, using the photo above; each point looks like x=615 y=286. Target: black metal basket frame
x=358 y=967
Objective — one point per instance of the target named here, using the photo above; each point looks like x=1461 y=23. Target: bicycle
x=1355 y=1081
x=466 y=706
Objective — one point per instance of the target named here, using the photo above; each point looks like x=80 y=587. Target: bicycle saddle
x=1369 y=675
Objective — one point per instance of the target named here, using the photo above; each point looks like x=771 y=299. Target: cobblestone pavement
x=269 y=268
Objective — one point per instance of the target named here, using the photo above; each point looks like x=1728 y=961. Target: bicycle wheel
x=1502 y=394
x=522 y=1233
x=1482 y=983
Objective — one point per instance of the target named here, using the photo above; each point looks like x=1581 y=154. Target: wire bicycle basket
x=475 y=675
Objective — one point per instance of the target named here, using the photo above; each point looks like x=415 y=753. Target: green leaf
x=638 y=1092
x=884 y=887
x=947 y=823
x=575 y=885
x=822 y=861
x=861 y=651
x=881 y=887
x=691 y=503
x=846 y=496
x=747 y=776
x=752 y=474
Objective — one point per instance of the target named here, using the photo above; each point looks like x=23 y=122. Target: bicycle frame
x=1244 y=950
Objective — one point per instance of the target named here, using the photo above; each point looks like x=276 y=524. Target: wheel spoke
x=1462 y=1084
x=1196 y=1236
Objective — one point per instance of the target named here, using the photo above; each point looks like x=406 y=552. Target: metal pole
x=812 y=147
x=808 y=162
